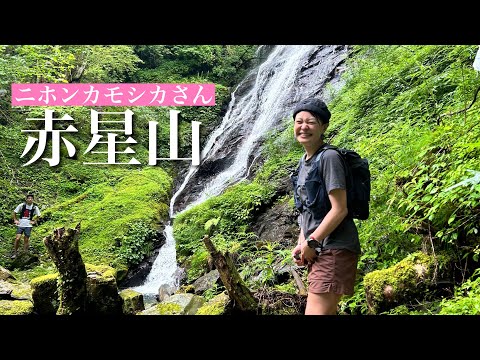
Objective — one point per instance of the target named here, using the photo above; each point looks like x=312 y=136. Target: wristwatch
x=312 y=242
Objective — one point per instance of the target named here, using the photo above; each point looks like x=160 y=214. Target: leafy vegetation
x=411 y=111
x=120 y=207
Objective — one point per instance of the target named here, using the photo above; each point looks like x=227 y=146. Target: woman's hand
x=308 y=255
x=296 y=255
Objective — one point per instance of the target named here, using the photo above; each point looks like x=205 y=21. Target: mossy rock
x=16 y=307
x=189 y=302
x=103 y=270
x=404 y=282
x=102 y=290
x=132 y=301
x=163 y=309
x=45 y=294
x=216 y=306
x=122 y=271
x=22 y=292
x=5 y=274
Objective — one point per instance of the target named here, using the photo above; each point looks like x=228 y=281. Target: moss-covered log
x=404 y=282
x=63 y=249
x=241 y=296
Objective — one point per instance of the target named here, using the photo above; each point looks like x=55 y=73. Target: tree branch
x=459 y=111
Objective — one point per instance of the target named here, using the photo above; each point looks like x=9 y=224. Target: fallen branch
x=240 y=295
x=459 y=111
x=298 y=281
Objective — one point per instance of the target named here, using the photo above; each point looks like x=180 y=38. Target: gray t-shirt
x=345 y=236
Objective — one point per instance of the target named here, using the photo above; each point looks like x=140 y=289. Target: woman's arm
x=338 y=212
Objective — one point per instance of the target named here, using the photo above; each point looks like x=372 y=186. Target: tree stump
x=63 y=249
x=240 y=295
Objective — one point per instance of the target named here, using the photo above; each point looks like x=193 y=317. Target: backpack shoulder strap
x=327 y=146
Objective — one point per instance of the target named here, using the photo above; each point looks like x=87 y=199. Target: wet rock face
x=279 y=224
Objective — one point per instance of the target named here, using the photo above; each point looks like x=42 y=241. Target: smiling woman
x=328 y=241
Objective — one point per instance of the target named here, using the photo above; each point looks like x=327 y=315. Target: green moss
x=15 y=307
x=22 y=292
x=45 y=294
x=122 y=271
x=38 y=281
x=105 y=271
x=163 y=309
x=132 y=301
x=169 y=309
x=216 y=306
x=410 y=275
x=108 y=210
x=45 y=268
x=129 y=293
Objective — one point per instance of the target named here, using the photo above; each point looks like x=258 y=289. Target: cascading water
x=288 y=74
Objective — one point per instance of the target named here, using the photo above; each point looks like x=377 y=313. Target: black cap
x=315 y=106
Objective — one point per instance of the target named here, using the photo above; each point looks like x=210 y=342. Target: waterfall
x=266 y=96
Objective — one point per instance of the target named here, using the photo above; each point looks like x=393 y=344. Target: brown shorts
x=333 y=271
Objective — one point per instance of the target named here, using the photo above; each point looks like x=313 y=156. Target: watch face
x=313 y=243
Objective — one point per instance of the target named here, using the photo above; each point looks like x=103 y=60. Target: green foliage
x=398 y=95
x=466 y=300
x=34 y=63
x=62 y=64
x=137 y=243
x=197 y=265
x=355 y=304
x=258 y=264
x=236 y=207
x=224 y=64
x=118 y=218
x=210 y=293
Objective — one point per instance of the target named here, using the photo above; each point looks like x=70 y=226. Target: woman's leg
x=322 y=304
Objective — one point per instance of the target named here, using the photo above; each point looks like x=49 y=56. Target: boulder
x=406 y=282
x=45 y=294
x=102 y=290
x=16 y=307
x=163 y=309
x=5 y=274
x=21 y=291
x=206 y=281
x=178 y=304
x=216 y=306
x=164 y=291
x=189 y=303
x=5 y=290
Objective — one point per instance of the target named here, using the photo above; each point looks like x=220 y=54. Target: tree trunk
x=240 y=295
x=63 y=249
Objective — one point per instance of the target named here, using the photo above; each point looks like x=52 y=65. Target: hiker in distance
x=27 y=211
x=328 y=242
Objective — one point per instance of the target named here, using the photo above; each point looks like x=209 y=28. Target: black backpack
x=32 y=211
x=358 y=182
